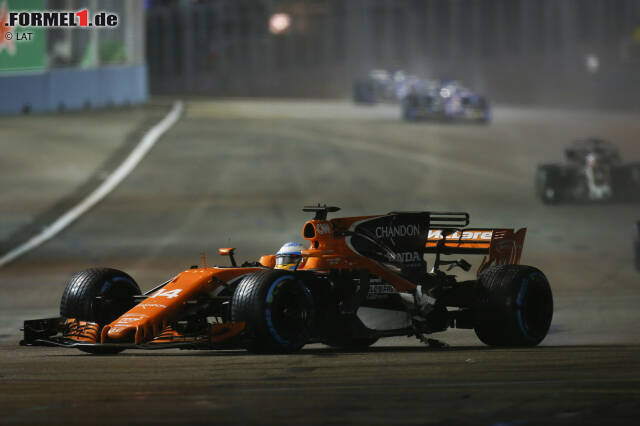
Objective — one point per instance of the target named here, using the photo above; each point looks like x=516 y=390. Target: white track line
x=114 y=179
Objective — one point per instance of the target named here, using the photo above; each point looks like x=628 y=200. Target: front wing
x=71 y=333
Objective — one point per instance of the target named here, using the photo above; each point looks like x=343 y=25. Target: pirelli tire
x=549 y=183
x=625 y=182
x=115 y=289
x=278 y=309
x=410 y=107
x=485 y=116
x=364 y=93
x=515 y=306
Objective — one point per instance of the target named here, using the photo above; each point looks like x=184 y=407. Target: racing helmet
x=592 y=159
x=289 y=256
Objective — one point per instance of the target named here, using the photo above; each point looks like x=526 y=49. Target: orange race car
x=360 y=279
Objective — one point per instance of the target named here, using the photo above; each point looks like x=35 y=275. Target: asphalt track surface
x=236 y=173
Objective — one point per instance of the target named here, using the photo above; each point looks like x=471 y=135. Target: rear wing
x=447 y=235
x=499 y=245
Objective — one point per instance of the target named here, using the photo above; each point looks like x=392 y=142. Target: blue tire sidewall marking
x=520 y=302
x=269 y=300
x=121 y=278
x=105 y=287
x=111 y=281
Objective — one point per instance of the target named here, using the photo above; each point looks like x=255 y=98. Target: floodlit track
x=236 y=173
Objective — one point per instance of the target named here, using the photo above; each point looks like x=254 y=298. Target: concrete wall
x=72 y=88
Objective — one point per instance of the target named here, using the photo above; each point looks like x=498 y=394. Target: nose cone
x=134 y=333
x=133 y=328
x=121 y=334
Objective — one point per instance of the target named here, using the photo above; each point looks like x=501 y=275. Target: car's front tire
x=116 y=290
x=548 y=184
x=278 y=310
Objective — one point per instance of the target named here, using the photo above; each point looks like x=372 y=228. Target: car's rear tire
x=483 y=105
x=364 y=93
x=278 y=310
x=409 y=114
x=515 y=306
x=625 y=182
x=409 y=107
x=79 y=298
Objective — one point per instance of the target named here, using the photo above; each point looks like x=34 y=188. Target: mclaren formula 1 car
x=445 y=100
x=361 y=279
x=594 y=172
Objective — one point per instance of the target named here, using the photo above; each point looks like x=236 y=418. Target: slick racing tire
x=278 y=310
x=409 y=114
x=515 y=306
x=483 y=105
x=363 y=93
x=409 y=108
x=79 y=298
x=548 y=183
x=625 y=182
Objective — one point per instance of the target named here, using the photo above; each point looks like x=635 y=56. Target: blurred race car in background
x=383 y=86
x=594 y=172
x=444 y=100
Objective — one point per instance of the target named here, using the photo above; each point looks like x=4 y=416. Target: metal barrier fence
x=116 y=46
x=516 y=50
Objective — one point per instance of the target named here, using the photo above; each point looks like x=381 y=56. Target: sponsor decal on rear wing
x=503 y=246
x=479 y=239
x=476 y=240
